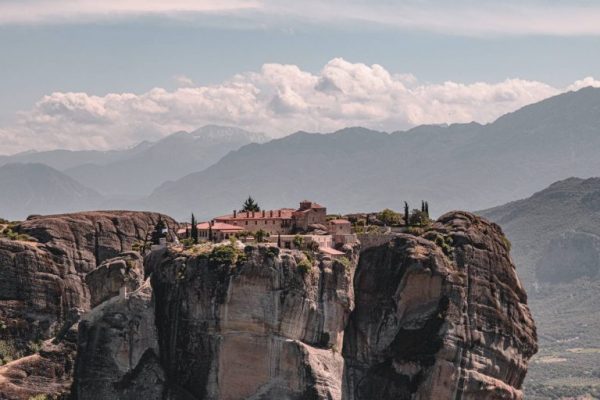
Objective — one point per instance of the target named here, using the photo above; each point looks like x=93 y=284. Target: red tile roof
x=330 y=251
x=339 y=221
x=286 y=213
x=220 y=226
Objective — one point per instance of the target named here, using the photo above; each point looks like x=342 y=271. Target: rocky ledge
x=438 y=313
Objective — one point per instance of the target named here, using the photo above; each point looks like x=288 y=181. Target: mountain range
x=35 y=188
x=555 y=236
x=135 y=172
x=461 y=166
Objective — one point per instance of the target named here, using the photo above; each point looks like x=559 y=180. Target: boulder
x=113 y=276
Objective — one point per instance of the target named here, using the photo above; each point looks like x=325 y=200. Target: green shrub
x=9 y=233
x=187 y=243
x=345 y=262
x=309 y=255
x=389 y=217
x=8 y=352
x=305 y=266
x=272 y=251
x=35 y=347
x=226 y=255
x=507 y=243
x=445 y=243
x=260 y=236
x=40 y=397
x=298 y=241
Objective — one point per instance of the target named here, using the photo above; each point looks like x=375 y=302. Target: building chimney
x=234 y=213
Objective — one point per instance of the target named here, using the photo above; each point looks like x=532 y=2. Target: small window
x=246 y=222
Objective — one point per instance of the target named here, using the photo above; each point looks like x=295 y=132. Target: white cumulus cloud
x=278 y=99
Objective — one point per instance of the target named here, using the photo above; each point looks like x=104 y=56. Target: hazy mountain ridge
x=170 y=158
x=39 y=189
x=460 y=166
x=555 y=237
x=135 y=172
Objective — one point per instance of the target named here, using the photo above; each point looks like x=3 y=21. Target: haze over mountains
x=462 y=166
x=137 y=171
x=35 y=188
x=555 y=237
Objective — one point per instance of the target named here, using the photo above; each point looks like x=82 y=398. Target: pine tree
x=159 y=231
x=250 y=205
x=406 y=213
x=194 y=229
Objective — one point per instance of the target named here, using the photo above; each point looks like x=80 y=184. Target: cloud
x=278 y=99
x=61 y=11
x=183 y=81
x=460 y=17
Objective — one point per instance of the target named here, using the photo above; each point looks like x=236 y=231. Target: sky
x=102 y=75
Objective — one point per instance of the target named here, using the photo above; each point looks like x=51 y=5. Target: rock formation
x=436 y=314
x=442 y=316
x=229 y=326
x=42 y=282
x=117 y=356
x=122 y=273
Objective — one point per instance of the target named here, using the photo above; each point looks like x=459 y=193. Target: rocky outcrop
x=442 y=316
x=260 y=328
x=113 y=276
x=42 y=281
x=48 y=371
x=118 y=355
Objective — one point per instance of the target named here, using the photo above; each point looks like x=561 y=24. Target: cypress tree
x=406 y=213
x=194 y=229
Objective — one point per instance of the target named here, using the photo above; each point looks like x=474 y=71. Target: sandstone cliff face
x=262 y=328
x=118 y=351
x=257 y=328
x=42 y=282
x=441 y=316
